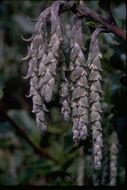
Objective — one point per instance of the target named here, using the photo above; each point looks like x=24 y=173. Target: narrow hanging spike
x=95 y=98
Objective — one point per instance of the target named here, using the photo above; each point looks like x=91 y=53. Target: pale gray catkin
x=48 y=75
x=43 y=62
x=95 y=95
x=79 y=83
x=113 y=158
x=37 y=59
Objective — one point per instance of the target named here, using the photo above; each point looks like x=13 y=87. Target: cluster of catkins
x=80 y=80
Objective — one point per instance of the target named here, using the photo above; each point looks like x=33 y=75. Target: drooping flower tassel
x=95 y=96
x=37 y=59
x=79 y=83
x=113 y=158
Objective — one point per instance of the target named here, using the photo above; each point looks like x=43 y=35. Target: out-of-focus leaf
x=3 y=162
x=4 y=128
x=56 y=149
x=2 y=84
x=22 y=118
x=23 y=23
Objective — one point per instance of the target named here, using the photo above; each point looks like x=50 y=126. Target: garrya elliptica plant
x=77 y=80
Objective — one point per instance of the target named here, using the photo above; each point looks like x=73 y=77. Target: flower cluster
x=79 y=86
x=43 y=62
x=95 y=94
x=37 y=61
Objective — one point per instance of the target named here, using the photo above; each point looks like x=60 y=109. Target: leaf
x=24 y=23
x=23 y=119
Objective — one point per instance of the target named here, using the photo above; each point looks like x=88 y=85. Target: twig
x=83 y=10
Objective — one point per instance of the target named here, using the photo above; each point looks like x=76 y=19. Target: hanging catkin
x=48 y=77
x=43 y=62
x=95 y=94
x=79 y=83
x=37 y=59
x=113 y=158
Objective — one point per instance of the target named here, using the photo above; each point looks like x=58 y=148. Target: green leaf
x=23 y=119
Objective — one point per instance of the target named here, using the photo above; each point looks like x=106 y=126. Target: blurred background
x=27 y=157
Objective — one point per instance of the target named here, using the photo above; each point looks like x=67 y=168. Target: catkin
x=79 y=84
x=113 y=158
x=43 y=62
x=37 y=59
x=95 y=95
x=48 y=77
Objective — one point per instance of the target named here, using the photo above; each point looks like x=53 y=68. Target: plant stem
x=83 y=10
